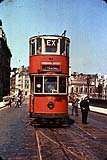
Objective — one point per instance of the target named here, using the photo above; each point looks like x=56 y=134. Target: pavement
x=96 y=109
x=2 y=104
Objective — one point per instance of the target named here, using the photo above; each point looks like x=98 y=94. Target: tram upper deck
x=49 y=53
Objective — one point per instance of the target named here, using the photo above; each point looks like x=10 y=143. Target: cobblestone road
x=17 y=140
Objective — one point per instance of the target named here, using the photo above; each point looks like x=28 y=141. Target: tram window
x=38 y=84
x=33 y=48
x=51 y=45
x=62 y=84
x=62 y=46
x=67 y=49
x=39 y=45
x=50 y=84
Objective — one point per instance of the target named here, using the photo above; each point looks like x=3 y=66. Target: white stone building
x=22 y=80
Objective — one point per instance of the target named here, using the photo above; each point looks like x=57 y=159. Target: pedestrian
x=16 y=101
x=20 y=100
x=10 y=101
x=84 y=105
x=76 y=106
x=20 y=97
x=73 y=103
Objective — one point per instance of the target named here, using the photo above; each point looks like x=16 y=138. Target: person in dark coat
x=10 y=102
x=84 y=105
x=20 y=97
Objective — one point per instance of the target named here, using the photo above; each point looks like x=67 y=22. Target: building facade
x=20 y=80
x=92 y=85
x=5 y=58
x=82 y=84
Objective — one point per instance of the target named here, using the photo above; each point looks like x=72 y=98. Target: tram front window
x=50 y=84
x=62 y=85
x=51 y=45
x=32 y=47
x=38 y=84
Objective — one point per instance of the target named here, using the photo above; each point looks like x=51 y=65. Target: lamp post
x=88 y=84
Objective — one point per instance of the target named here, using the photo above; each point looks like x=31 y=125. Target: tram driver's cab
x=47 y=84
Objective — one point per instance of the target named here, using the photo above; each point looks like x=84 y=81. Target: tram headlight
x=50 y=105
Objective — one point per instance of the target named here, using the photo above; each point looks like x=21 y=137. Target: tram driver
x=50 y=85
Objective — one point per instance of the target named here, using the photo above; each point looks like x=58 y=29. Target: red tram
x=49 y=71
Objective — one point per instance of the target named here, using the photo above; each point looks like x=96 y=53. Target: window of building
x=25 y=93
x=90 y=90
x=81 y=90
x=86 y=90
x=72 y=90
x=76 y=89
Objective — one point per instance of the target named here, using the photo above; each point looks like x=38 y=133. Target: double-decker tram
x=49 y=71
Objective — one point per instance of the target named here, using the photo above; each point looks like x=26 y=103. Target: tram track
x=90 y=137
x=53 y=136
x=75 y=143
x=38 y=145
x=88 y=142
x=55 y=141
x=73 y=150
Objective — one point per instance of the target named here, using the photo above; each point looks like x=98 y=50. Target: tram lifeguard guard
x=49 y=71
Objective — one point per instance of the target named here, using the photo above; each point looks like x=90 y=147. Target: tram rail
x=69 y=143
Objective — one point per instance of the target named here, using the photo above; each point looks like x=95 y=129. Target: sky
x=84 y=20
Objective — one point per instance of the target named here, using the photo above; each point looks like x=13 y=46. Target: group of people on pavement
x=74 y=101
x=18 y=99
x=84 y=106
